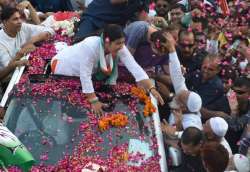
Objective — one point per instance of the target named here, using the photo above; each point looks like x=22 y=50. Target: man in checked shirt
x=238 y=123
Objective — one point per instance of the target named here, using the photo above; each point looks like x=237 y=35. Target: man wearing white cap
x=239 y=163
x=188 y=101
x=215 y=130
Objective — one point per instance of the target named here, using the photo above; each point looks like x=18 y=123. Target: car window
x=49 y=128
x=45 y=127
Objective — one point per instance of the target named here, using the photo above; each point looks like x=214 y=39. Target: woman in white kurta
x=98 y=56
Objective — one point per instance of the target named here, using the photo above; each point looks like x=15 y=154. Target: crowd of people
x=197 y=52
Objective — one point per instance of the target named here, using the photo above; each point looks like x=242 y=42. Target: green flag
x=13 y=152
x=186 y=20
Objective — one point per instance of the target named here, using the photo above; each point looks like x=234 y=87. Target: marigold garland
x=149 y=108
x=115 y=120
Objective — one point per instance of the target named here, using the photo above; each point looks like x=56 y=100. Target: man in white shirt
x=188 y=101
x=215 y=130
x=17 y=39
x=26 y=8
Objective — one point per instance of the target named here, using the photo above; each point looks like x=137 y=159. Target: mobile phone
x=235 y=44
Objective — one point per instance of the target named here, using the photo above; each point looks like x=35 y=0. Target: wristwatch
x=151 y=88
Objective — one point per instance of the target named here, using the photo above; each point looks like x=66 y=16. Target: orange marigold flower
x=149 y=108
x=115 y=120
x=103 y=125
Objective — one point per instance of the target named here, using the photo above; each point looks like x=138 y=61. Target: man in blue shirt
x=52 y=5
x=238 y=124
x=101 y=12
x=210 y=87
x=188 y=52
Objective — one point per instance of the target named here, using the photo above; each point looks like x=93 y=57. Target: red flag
x=224 y=7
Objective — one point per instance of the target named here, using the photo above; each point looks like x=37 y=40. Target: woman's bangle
x=94 y=100
x=151 y=88
x=178 y=134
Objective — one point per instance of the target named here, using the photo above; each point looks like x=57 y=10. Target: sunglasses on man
x=161 y=6
x=186 y=45
x=175 y=14
x=239 y=92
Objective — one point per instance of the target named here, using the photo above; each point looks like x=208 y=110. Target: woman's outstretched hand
x=97 y=108
x=157 y=96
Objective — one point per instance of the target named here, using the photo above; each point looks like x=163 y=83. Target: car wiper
x=38 y=78
x=140 y=122
x=41 y=78
x=47 y=69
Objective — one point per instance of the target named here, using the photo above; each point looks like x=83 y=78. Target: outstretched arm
x=139 y=74
x=176 y=75
x=11 y=66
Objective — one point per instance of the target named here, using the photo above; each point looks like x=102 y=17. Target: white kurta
x=82 y=60
x=178 y=81
x=9 y=46
x=227 y=146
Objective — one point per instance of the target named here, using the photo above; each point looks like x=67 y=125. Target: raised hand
x=167 y=129
x=97 y=108
x=170 y=42
x=23 y=5
x=157 y=95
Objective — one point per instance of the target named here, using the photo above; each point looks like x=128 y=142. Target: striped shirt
x=244 y=145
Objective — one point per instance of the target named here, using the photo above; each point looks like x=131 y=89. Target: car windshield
x=49 y=128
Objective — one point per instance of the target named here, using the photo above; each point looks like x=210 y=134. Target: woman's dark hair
x=215 y=157
x=113 y=32
x=157 y=37
x=7 y=12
